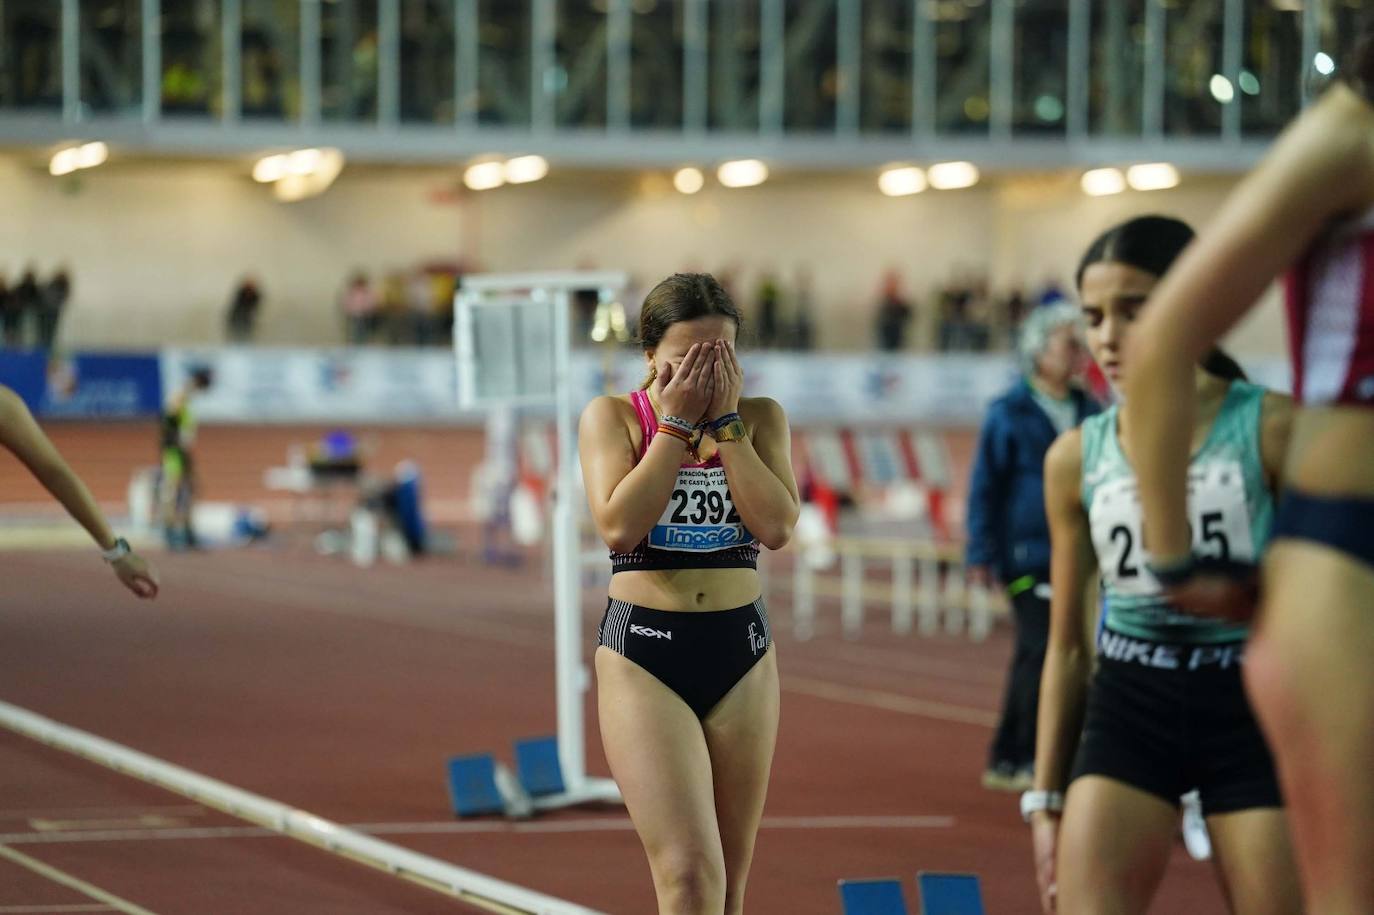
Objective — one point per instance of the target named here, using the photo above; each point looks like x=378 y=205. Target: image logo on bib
x=700 y=516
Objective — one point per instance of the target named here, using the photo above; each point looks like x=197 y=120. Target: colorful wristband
x=675 y=432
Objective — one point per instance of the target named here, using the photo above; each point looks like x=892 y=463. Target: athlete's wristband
x=116 y=552
x=678 y=423
x=1036 y=801
x=674 y=432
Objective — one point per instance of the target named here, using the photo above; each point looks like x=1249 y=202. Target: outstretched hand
x=137 y=575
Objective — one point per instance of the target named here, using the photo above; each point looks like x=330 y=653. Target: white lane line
x=478 y=827
x=892 y=702
x=79 y=907
x=72 y=883
x=76 y=813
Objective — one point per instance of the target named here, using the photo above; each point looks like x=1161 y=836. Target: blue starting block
x=472 y=785
x=872 y=897
x=949 y=894
x=537 y=766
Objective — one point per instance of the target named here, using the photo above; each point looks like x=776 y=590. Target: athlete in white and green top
x=1161 y=709
x=1231 y=507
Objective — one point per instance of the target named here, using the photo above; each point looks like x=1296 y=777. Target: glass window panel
x=1270 y=89
x=349 y=51
x=111 y=55
x=885 y=66
x=811 y=52
x=1040 y=72
x=270 y=43
x=192 y=57
x=963 y=30
x=734 y=59
x=580 y=63
x=503 y=79
x=1117 y=57
x=1195 y=85
x=31 y=54
x=656 y=63
x=427 y=61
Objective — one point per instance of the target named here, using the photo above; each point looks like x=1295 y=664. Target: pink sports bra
x=699 y=527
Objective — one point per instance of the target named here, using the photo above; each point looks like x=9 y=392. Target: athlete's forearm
x=1158 y=419
x=638 y=500
x=57 y=477
x=1063 y=694
x=764 y=503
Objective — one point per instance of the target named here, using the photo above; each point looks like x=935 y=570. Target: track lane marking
x=72 y=883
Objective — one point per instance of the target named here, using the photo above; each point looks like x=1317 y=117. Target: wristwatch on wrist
x=116 y=552
x=732 y=431
x=1036 y=801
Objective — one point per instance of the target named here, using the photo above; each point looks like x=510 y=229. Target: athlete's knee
x=689 y=882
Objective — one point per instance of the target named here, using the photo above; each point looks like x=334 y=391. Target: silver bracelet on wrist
x=1036 y=801
x=116 y=552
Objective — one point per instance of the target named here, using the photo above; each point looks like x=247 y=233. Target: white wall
x=156 y=248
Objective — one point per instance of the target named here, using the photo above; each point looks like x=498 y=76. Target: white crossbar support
x=470 y=886
x=852 y=603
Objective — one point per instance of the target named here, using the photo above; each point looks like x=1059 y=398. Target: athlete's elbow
x=777 y=535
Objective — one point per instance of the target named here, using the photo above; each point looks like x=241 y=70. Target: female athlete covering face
x=686 y=480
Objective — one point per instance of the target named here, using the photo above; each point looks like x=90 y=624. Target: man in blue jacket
x=1008 y=535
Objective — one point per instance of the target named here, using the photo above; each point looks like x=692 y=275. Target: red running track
x=342 y=691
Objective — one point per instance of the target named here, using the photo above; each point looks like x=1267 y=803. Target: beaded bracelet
x=677 y=422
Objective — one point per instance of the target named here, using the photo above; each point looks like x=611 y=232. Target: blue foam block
x=872 y=897
x=537 y=766
x=472 y=785
x=949 y=894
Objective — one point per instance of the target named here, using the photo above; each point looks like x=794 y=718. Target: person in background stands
x=1008 y=535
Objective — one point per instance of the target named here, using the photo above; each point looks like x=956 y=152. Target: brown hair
x=682 y=297
x=1357 y=70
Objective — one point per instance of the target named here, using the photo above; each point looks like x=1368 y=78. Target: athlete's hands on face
x=1045 y=840
x=137 y=575
x=728 y=379
x=686 y=391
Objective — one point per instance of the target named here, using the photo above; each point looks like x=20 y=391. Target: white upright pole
x=569 y=675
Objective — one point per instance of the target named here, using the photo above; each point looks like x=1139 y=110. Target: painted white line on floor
x=72 y=883
x=76 y=813
x=892 y=702
x=79 y=907
x=474 y=827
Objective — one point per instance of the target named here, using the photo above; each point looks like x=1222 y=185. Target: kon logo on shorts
x=651 y=633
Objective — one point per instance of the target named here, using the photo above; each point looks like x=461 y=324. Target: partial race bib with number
x=1218 y=515
x=700 y=518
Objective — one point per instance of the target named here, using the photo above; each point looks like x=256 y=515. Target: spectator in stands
x=894 y=314
x=419 y=294
x=1008 y=534
x=243 y=311
x=803 y=312
x=55 y=295
x=769 y=303
x=392 y=307
x=27 y=305
x=9 y=320
x=359 y=305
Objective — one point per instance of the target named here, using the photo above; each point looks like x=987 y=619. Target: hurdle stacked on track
x=939 y=894
x=479 y=784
